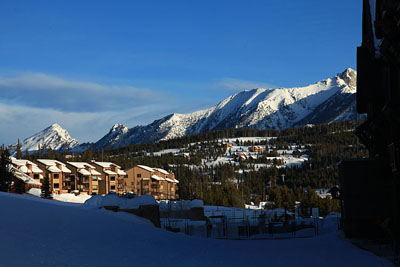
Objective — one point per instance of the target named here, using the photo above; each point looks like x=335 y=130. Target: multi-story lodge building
x=84 y=177
x=22 y=182
x=112 y=177
x=29 y=168
x=58 y=174
x=157 y=182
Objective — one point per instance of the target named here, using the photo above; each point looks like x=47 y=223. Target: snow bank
x=113 y=200
x=34 y=192
x=94 y=201
x=41 y=232
x=72 y=198
x=135 y=203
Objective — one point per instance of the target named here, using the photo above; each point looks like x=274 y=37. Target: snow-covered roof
x=146 y=179
x=65 y=169
x=110 y=172
x=36 y=169
x=25 y=178
x=94 y=172
x=54 y=163
x=81 y=165
x=176 y=181
x=146 y=168
x=121 y=172
x=84 y=172
x=104 y=164
x=169 y=180
x=158 y=178
x=23 y=163
x=17 y=162
x=50 y=162
x=53 y=169
x=24 y=169
x=161 y=170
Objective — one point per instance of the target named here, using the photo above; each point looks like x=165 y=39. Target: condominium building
x=157 y=182
x=29 y=168
x=58 y=174
x=22 y=182
x=112 y=177
x=85 y=177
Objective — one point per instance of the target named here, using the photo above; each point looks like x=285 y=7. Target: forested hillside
x=293 y=163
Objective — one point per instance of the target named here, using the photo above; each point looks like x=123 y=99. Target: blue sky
x=89 y=64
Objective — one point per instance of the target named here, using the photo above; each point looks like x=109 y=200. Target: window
x=56 y=185
x=94 y=178
x=55 y=176
x=36 y=176
x=138 y=175
x=94 y=187
x=112 y=187
x=112 y=178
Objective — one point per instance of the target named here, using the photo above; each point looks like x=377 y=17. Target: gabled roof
x=146 y=168
x=105 y=164
x=36 y=169
x=23 y=177
x=161 y=170
x=84 y=172
x=81 y=165
x=53 y=169
x=110 y=172
x=23 y=162
x=158 y=178
x=94 y=172
x=53 y=163
x=121 y=172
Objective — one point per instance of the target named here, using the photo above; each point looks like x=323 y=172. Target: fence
x=254 y=226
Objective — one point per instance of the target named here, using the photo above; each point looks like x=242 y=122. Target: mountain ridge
x=328 y=100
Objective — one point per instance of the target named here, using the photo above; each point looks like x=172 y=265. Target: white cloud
x=45 y=91
x=22 y=122
x=236 y=85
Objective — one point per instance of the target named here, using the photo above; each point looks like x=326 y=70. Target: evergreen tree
x=6 y=173
x=19 y=152
x=46 y=188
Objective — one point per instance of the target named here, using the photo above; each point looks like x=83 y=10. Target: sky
x=87 y=65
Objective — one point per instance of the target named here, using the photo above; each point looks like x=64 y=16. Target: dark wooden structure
x=370 y=187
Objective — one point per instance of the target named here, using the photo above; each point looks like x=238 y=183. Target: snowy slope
x=39 y=232
x=325 y=101
x=112 y=137
x=54 y=137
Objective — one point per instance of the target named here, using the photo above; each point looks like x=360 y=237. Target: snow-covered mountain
x=112 y=137
x=54 y=137
x=329 y=100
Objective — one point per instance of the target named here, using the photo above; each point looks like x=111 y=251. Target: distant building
x=257 y=149
x=112 y=178
x=157 y=182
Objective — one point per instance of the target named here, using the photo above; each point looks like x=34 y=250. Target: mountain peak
x=54 y=137
x=117 y=127
x=349 y=76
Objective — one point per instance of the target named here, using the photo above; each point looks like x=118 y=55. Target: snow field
x=50 y=233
